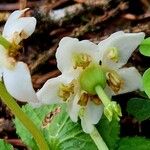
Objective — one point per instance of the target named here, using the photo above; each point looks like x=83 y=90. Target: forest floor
x=85 y=19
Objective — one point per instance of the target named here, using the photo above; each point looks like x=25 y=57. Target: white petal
x=73 y=108
x=132 y=80
x=14 y=16
x=18 y=83
x=126 y=43
x=3 y=56
x=108 y=91
x=18 y=28
x=48 y=94
x=69 y=46
x=87 y=125
x=94 y=112
x=35 y=105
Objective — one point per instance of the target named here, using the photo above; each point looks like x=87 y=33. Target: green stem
x=98 y=140
x=102 y=95
x=4 y=42
x=14 y=107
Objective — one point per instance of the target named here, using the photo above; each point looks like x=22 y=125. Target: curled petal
x=49 y=93
x=94 y=112
x=18 y=28
x=69 y=46
x=86 y=124
x=18 y=83
x=132 y=80
x=73 y=108
x=123 y=43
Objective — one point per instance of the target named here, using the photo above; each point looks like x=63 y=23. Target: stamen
x=113 y=54
x=65 y=91
x=114 y=81
x=13 y=51
x=83 y=99
x=81 y=60
x=95 y=99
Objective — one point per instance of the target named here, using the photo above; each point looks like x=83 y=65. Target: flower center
x=13 y=50
x=81 y=60
x=85 y=97
x=114 y=81
x=113 y=54
x=65 y=91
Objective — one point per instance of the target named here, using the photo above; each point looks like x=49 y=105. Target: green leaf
x=146 y=81
x=145 y=47
x=139 y=108
x=134 y=143
x=61 y=133
x=5 y=146
x=109 y=131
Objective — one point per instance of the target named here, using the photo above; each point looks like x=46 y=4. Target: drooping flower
x=74 y=59
x=15 y=74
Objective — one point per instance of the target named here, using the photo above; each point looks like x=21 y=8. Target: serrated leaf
x=5 y=146
x=109 y=131
x=145 y=47
x=139 y=108
x=146 y=82
x=61 y=133
x=134 y=143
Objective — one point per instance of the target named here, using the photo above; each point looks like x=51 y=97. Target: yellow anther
x=114 y=81
x=113 y=54
x=83 y=99
x=13 y=50
x=81 y=60
x=65 y=91
x=95 y=99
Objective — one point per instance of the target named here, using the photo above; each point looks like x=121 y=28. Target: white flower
x=15 y=74
x=17 y=27
x=73 y=57
x=115 y=52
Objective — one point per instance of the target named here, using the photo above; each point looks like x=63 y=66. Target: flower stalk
x=98 y=140
x=16 y=110
x=110 y=107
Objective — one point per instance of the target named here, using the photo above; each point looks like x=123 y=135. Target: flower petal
x=86 y=124
x=18 y=83
x=132 y=80
x=94 y=112
x=48 y=94
x=68 y=47
x=73 y=108
x=18 y=28
x=125 y=43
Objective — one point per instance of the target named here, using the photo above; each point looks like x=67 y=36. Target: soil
x=85 y=19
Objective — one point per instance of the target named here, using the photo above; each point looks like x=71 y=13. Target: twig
x=16 y=142
x=42 y=58
x=95 y=21
x=14 y=6
x=39 y=80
